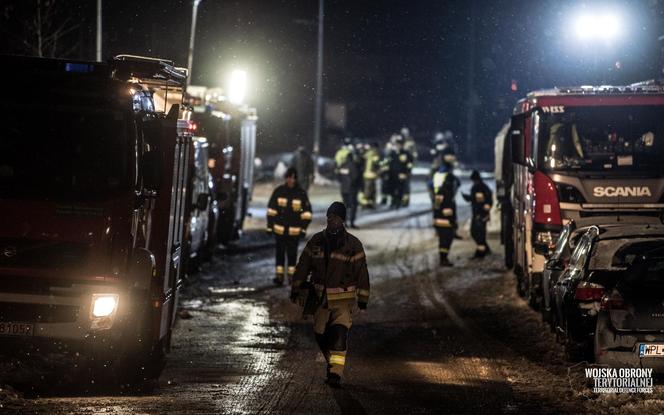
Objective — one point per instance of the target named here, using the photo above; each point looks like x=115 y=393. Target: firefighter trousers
x=286 y=247
x=350 y=200
x=369 y=199
x=399 y=193
x=332 y=321
x=445 y=238
x=478 y=233
x=405 y=198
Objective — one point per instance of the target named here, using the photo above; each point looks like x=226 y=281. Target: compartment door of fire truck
x=175 y=248
x=175 y=145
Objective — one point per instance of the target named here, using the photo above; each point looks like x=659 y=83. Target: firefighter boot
x=444 y=260
x=480 y=252
x=279 y=276
x=291 y=272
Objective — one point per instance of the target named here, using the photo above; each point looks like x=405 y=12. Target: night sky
x=391 y=62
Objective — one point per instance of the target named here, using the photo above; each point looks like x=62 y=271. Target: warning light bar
x=79 y=67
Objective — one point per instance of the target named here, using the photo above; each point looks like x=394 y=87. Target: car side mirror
x=151 y=168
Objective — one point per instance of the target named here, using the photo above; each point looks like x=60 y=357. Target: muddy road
x=457 y=340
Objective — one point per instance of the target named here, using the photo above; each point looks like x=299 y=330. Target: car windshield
x=69 y=152
x=620 y=138
x=649 y=274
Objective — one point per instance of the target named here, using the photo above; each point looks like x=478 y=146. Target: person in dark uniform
x=385 y=183
x=481 y=200
x=400 y=165
x=303 y=162
x=349 y=171
x=288 y=215
x=335 y=263
x=444 y=211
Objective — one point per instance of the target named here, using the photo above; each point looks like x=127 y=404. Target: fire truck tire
x=509 y=255
x=519 y=281
x=227 y=230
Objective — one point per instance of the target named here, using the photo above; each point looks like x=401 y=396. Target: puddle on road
x=234 y=290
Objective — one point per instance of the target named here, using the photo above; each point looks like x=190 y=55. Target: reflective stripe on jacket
x=288 y=211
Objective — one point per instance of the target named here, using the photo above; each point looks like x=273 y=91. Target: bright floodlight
x=597 y=26
x=237 y=87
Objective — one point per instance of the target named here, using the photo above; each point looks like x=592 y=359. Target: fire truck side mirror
x=518 y=150
x=142 y=269
x=151 y=168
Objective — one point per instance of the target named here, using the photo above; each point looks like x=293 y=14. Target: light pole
x=98 y=40
x=192 y=36
x=319 y=85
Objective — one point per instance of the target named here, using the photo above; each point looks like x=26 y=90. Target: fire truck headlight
x=104 y=305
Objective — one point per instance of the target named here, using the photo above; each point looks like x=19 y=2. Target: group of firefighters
x=331 y=279
x=359 y=166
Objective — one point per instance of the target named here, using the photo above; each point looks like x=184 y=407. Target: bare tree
x=42 y=28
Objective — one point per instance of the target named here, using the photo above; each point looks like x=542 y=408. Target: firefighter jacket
x=411 y=147
x=400 y=163
x=288 y=211
x=481 y=200
x=337 y=267
x=371 y=164
x=444 y=206
x=349 y=169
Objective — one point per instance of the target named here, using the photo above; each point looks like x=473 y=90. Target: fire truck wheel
x=138 y=371
x=520 y=288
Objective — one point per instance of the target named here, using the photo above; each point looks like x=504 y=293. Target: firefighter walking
x=288 y=215
x=444 y=211
x=335 y=263
x=349 y=168
x=481 y=200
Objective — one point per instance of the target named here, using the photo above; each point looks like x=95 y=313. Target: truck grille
x=38 y=313
x=41 y=254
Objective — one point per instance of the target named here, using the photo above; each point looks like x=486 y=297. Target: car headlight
x=104 y=305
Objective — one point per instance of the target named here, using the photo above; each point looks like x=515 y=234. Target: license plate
x=651 y=350
x=16 y=329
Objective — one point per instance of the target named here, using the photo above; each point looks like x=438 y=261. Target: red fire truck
x=92 y=196
x=578 y=152
x=231 y=133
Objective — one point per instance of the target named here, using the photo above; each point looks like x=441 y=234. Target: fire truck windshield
x=62 y=152
x=601 y=139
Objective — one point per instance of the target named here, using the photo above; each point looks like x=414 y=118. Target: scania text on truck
x=579 y=152
x=92 y=195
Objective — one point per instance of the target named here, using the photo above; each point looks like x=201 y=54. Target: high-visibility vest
x=371 y=165
x=438 y=180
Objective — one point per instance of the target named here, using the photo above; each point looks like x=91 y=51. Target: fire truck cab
x=578 y=152
x=92 y=194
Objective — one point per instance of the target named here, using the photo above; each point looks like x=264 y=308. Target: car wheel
x=575 y=351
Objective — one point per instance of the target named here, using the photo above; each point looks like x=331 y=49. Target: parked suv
x=599 y=258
